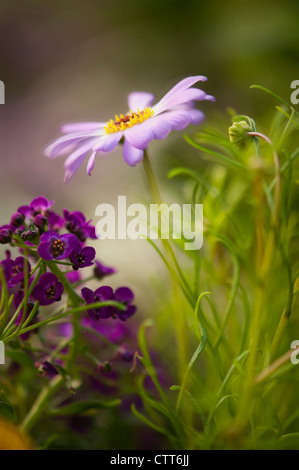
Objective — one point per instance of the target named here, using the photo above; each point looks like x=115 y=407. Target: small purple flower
x=82 y=257
x=39 y=205
x=14 y=270
x=56 y=222
x=46 y=369
x=29 y=235
x=73 y=276
x=125 y=295
x=55 y=246
x=48 y=289
x=102 y=294
x=40 y=221
x=125 y=354
x=101 y=270
x=137 y=128
x=5 y=235
x=114 y=331
x=76 y=224
x=17 y=219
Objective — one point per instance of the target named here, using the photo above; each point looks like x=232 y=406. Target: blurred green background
x=66 y=61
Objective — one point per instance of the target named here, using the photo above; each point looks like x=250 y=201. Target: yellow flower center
x=123 y=122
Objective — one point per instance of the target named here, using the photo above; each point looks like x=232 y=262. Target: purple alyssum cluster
x=53 y=252
x=123 y=295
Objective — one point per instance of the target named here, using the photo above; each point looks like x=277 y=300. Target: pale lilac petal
x=83 y=127
x=90 y=164
x=139 y=136
x=107 y=142
x=183 y=85
x=72 y=168
x=210 y=98
x=197 y=117
x=181 y=97
x=140 y=100
x=76 y=158
x=62 y=145
x=159 y=126
x=178 y=120
x=132 y=155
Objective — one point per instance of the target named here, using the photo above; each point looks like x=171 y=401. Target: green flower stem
x=180 y=318
x=277 y=176
x=41 y=402
x=60 y=346
x=265 y=254
x=199 y=349
x=265 y=374
x=31 y=315
x=235 y=283
x=284 y=320
x=6 y=311
x=16 y=314
x=63 y=263
x=151 y=178
x=73 y=311
x=25 y=300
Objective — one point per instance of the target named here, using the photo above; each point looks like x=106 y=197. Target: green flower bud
x=238 y=134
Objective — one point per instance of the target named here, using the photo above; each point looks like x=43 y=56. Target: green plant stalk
x=53 y=319
x=196 y=354
x=284 y=320
x=14 y=317
x=265 y=254
x=179 y=315
x=41 y=403
x=25 y=302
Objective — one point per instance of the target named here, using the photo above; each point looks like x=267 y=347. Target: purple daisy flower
x=137 y=128
x=48 y=289
x=82 y=257
x=101 y=270
x=55 y=246
x=76 y=224
x=101 y=294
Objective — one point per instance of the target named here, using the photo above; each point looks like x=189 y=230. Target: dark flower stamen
x=80 y=259
x=57 y=248
x=51 y=292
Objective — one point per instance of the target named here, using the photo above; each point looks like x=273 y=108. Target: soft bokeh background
x=77 y=60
